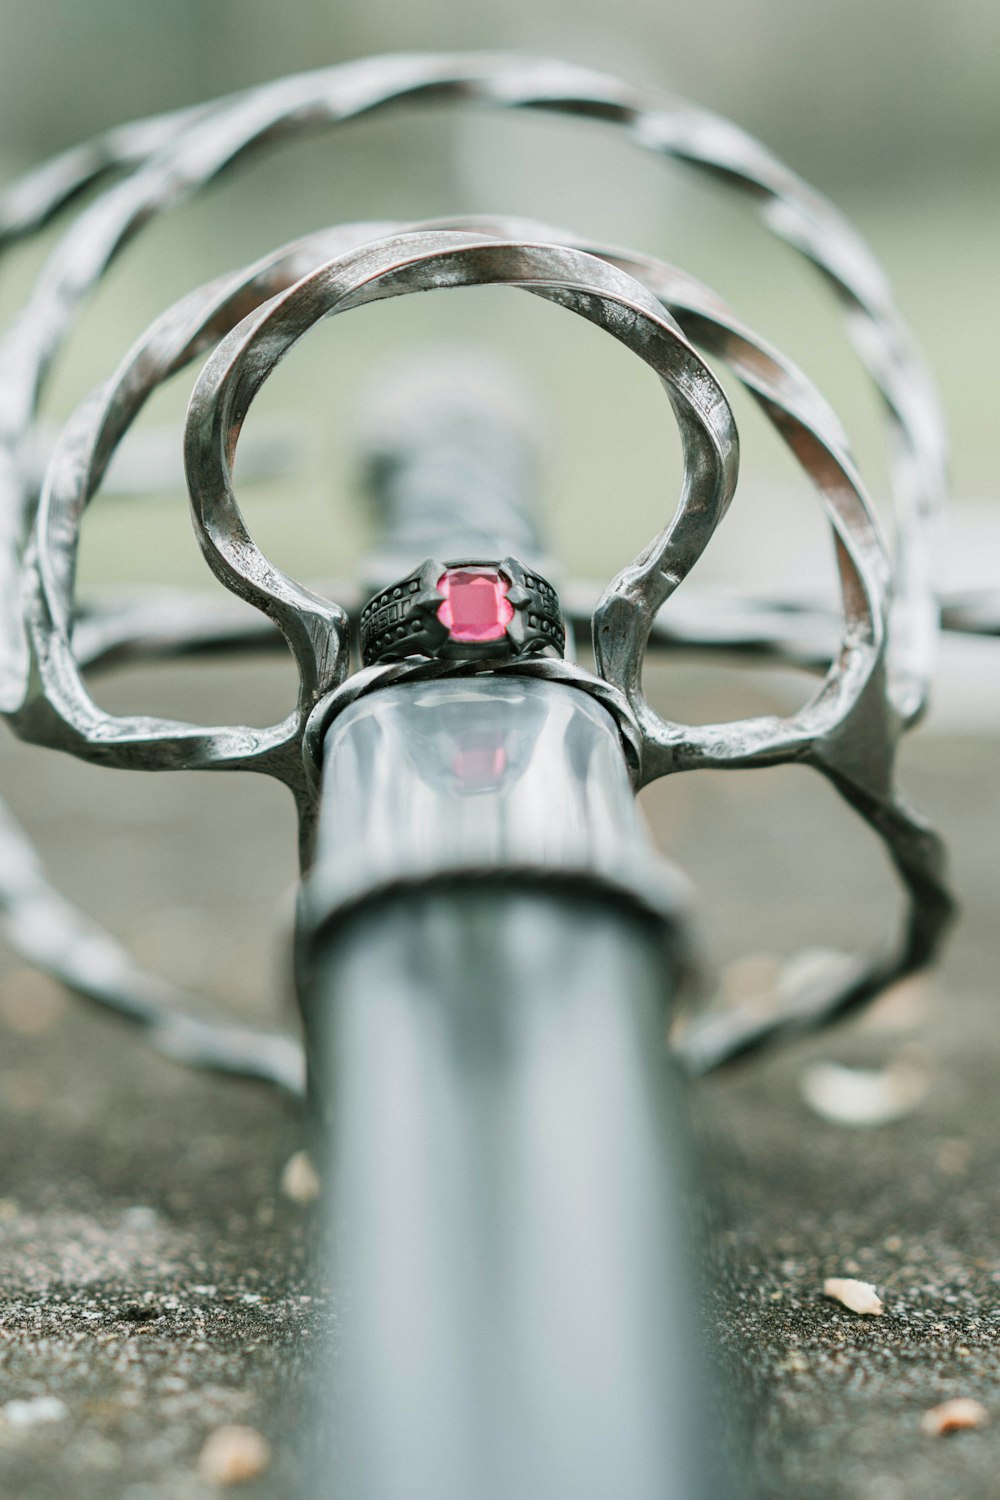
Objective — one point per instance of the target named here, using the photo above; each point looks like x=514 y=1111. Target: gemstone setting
x=475 y=607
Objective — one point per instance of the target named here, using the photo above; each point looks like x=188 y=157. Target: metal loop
x=834 y=730
x=170 y=163
x=58 y=709
x=425 y=260
x=625 y=614
x=853 y=729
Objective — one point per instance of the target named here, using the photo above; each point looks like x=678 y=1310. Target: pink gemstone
x=475 y=605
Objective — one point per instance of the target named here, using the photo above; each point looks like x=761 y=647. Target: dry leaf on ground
x=956 y=1415
x=858 y=1296
x=234 y=1455
x=299 y=1179
x=864 y=1097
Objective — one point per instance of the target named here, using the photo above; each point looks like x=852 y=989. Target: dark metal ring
x=463 y=611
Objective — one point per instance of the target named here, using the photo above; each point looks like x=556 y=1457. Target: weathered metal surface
x=876 y=679
x=169 y=163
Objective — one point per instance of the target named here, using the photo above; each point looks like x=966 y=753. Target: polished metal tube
x=505 y=1139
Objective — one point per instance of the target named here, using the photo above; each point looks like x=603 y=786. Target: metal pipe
x=505 y=1137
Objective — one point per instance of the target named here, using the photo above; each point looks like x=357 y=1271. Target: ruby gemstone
x=476 y=607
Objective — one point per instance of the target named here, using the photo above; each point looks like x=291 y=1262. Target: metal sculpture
x=875 y=677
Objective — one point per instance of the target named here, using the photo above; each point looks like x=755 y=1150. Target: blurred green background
x=890 y=107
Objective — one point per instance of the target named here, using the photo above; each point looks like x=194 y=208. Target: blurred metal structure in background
x=877 y=663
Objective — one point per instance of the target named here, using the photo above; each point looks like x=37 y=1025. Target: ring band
x=463 y=611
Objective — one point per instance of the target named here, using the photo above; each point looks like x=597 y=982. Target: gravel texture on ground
x=153 y=1276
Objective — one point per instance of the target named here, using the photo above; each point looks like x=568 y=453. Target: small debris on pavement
x=34 y=1412
x=140 y=1217
x=953 y=1416
x=864 y=1097
x=234 y=1455
x=300 y=1180
x=858 y=1296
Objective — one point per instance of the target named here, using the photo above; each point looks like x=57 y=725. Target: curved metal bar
x=190 y=149
x=807 y=420
x=432 y=260
x=169 y=625
x=848 y=731
x=61 y=702
x=845 y=730
x=42 y=193
x=706 y=1043
x=50 y=933
x=808 y=425
x=111 y=630
x=207 y=144
x=624 y=616
x=58 y=709
x=974 y=613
